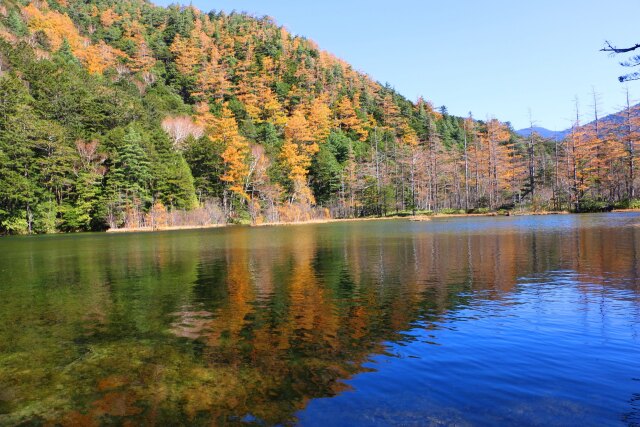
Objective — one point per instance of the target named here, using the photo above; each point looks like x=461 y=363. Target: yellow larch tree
x=615 y=158
x=236 y=152
x=56 y=26
x=142 y=60
x=348 y=119
x=496 y=134
x=391 y=112
x=269 y=69
x=271 y=109
x=108 y=17
x=408 y=135
x=204 y=118
x=98 y=58
x=199 y=34
x=212 y=79
x=320 y=118
x=512 y=171
x=246 y=92
x=188 y=54
x=297 y=151
x=59 y=27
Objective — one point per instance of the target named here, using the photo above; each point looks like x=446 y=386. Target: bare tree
x=531 y=156
x=630 y=142
x=179 y=128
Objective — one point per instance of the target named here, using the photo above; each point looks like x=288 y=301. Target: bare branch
x=609 y=48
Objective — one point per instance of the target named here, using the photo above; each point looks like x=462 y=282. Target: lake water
x=461 y=321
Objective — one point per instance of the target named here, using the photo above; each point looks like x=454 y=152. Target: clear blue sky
x=493 y=58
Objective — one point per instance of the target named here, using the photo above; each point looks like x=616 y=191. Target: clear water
x=461 y=321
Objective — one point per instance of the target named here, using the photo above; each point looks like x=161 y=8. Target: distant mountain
x=619 y=117
x=543 y=132
x=611 y=120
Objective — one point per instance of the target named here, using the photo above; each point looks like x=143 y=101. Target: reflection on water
x=531 y=320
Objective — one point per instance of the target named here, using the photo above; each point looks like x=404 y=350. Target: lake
x=455 y=321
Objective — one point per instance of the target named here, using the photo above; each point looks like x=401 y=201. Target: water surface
x=461 y=321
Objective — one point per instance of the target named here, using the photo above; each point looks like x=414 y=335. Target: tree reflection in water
x=250 y=324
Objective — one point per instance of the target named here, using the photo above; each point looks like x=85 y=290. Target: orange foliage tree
x=320 y=118
x=298 y=148
x=235 y=154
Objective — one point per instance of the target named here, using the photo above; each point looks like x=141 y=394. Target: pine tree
x=129 y=180
x=18 y=172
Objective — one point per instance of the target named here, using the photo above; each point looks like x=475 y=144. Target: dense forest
x=125 y=114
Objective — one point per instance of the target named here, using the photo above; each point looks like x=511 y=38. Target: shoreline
x=625 y=210
x=169 y=228
x=416 y=218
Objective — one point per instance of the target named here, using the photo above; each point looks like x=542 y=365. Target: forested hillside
x=126 y=114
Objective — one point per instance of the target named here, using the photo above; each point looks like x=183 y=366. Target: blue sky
x=493 y=58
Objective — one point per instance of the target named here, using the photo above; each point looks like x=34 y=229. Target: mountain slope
x=125 y=114
x=253 y=117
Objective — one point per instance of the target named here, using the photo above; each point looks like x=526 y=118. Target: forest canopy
x=125 y=114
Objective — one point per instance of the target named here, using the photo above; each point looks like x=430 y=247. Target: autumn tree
x=630 y=134
x=348 y=120
x=320 y=118
x=298 y=148
x=212 y=80
x=224 y=131
x=188 y=54
x=497 y=135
